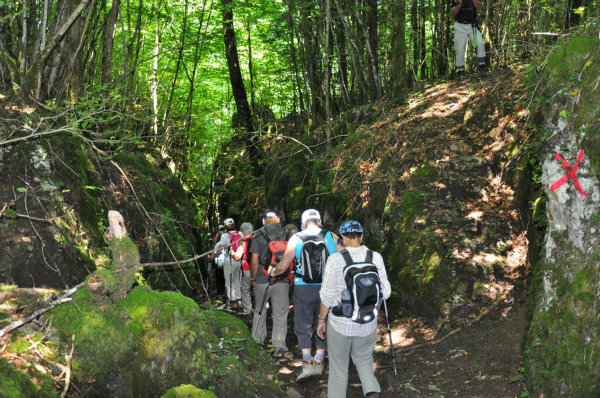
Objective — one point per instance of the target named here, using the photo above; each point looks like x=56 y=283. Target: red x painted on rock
x=570 y=174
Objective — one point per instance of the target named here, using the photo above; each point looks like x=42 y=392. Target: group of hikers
x=337 y=285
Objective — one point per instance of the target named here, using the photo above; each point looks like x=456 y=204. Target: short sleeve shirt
x=260 y=246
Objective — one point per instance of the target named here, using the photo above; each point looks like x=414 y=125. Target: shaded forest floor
x=475 y=352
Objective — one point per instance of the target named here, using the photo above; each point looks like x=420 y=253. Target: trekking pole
x=387 y=321
x=262 y=306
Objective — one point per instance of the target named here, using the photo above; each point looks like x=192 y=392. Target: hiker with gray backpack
x=310 y=247
x=354 y=286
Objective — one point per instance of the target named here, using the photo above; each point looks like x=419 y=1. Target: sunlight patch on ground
x=487 y=258
x=286 y=371
x=476 y=215
x=461 y=254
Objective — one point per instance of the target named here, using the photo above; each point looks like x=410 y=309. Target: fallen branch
x=189 y=260
x=549 y=34
x=62 y=299
x=25 y=217
x=68 y=369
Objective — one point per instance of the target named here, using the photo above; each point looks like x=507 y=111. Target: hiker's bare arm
x=237 y=255
x=286 y=260
x=477 y=5
x=322 y=324
x=456 y=8
x=254 y=266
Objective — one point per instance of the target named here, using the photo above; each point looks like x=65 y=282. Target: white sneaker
x=310 y=369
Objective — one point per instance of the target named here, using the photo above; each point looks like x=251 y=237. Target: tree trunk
x=250 y=71
x=399 y=78
x=23 y=65
x=422 y=40
x=40 y=61
x=328 y=57
x=42 y=35
x=154 y=86
x=177 y=67
x=235 y=73
x=107 y=45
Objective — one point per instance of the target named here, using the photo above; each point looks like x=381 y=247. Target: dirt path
x=475 y=351
x=480 y=360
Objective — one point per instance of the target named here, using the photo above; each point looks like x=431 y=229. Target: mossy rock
x=16 y=384
x=188 y=391
x=152 y=341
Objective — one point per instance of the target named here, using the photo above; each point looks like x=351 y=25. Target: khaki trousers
x=340 y=348
x=462 y=32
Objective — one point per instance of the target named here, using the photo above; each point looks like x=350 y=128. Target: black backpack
x=364 y=287
x=313 y=257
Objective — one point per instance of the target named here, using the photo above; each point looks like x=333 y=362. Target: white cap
x=310 y=214
x=229 y=221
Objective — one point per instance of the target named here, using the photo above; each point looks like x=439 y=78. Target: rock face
x=55 y=194
x=562 y=349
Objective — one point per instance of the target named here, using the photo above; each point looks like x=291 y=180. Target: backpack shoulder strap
x=369 y=257
x=266 y=235
x=302 y=235
x=347 y=257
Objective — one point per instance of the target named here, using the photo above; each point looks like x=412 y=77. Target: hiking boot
x=310 y=369
x=279 y=352
x=461 y=75
x=481 y=70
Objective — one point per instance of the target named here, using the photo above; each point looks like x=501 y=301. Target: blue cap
x=351 y=226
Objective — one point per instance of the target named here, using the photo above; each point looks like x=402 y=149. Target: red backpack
x=235 y=238
x=276 y=248
x=245 y=262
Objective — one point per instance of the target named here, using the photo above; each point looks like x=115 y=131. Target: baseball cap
x=221 y=226
x=351 y=226
x=229 y=221
x=269 y=214
x=310 y=214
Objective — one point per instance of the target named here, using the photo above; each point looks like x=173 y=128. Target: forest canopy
x=181 y=77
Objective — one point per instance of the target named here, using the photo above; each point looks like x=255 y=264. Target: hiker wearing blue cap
x=311 y=247
x=351 y=325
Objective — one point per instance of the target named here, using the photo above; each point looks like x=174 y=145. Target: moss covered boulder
x=152 y=341
x=188 y=391
x=562 y=347
x=16 y=384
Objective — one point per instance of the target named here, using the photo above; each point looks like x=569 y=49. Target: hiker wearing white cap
x=231 y=243
x=311 y=247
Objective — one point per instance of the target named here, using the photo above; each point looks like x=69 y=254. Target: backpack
x=276 y=249
x=362 y=282
x=235 y=238
x=313 y=257
x=245 y=262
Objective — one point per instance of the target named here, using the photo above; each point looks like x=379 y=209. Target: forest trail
x=476 y=352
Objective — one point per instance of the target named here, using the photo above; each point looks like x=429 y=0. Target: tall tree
x=233 y=64
x=109 y=33
x=398 y=67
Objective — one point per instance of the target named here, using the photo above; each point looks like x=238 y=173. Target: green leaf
x=564 y=113
x=10 y=213
x=525 y=394
x=22 y=189
x=92 y=188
